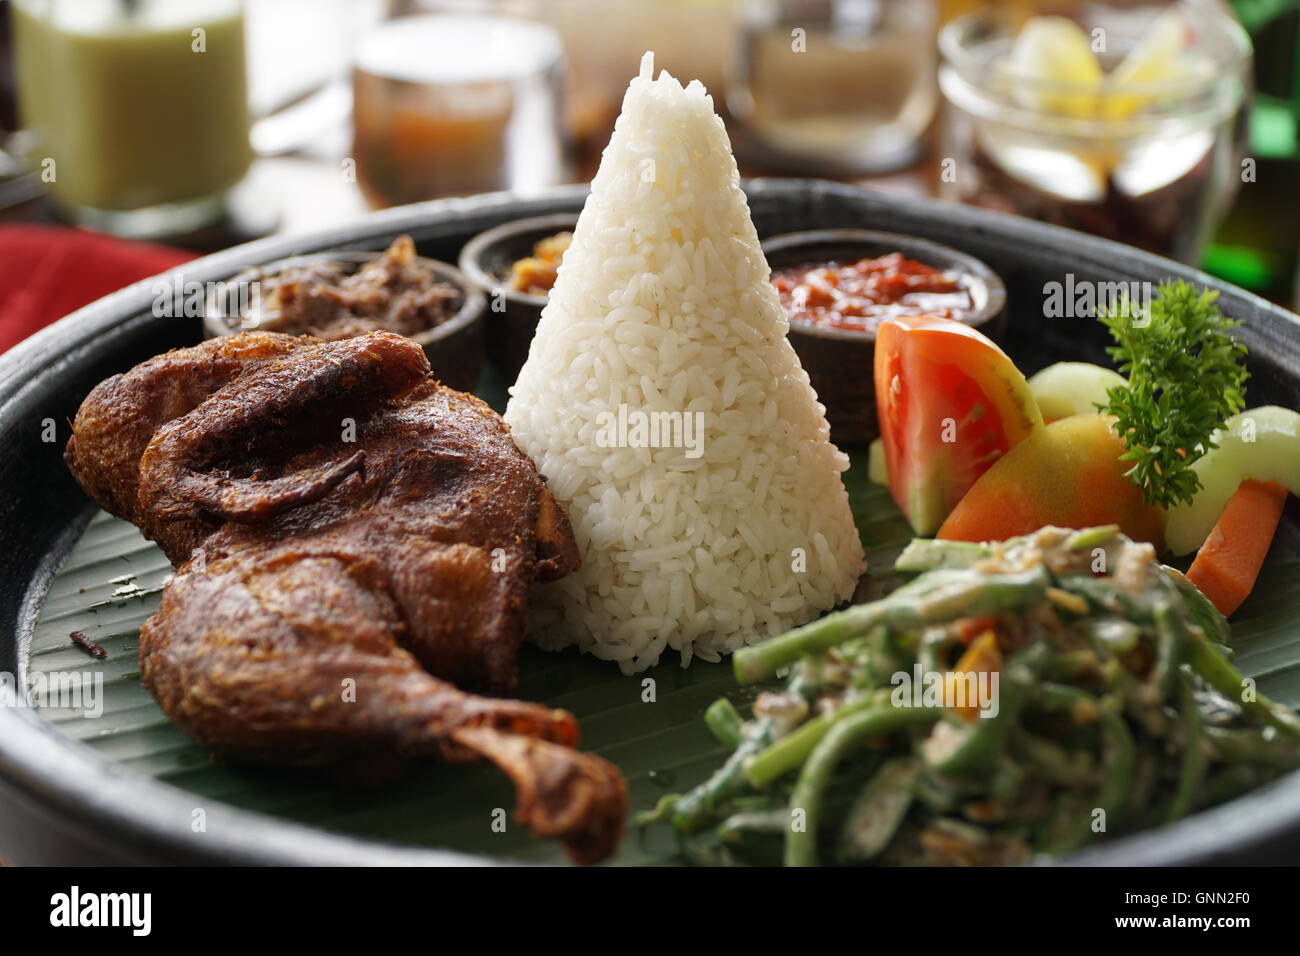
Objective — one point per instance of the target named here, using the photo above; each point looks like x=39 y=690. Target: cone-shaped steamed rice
x=671 y=415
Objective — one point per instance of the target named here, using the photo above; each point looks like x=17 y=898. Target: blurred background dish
x=454 y=105
x=1188 y=143
x=1122 y=123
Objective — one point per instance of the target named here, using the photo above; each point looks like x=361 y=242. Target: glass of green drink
x=137 y=110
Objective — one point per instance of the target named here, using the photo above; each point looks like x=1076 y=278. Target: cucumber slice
x=877 y=470
x=1261 y=443
x=1072 y=388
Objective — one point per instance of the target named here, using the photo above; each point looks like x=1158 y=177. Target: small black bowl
x=487 y=259
x=455 y=347
x=840 y=361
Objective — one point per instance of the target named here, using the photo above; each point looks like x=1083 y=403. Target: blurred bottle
x=1258 y=244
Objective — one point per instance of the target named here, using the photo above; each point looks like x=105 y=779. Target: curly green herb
x=1186 y=377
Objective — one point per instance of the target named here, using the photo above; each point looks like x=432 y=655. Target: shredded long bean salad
x=1014 y=699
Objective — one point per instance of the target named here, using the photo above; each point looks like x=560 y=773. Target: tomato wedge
x=950 y=404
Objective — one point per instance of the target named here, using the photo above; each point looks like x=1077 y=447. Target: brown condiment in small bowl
x=338 y=295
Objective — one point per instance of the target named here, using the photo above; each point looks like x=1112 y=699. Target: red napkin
x=48 y=271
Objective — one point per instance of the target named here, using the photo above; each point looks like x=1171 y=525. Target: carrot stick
x=1228 y=563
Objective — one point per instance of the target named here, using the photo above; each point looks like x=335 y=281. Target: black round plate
x=62 y=803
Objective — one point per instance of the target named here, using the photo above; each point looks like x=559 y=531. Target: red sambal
x=859 y=295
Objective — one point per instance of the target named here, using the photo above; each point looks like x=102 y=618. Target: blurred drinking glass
x=137 y=110
x=452 y=105
x=299 y=72
x=844 y=86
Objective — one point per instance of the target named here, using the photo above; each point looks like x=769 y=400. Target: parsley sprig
x=1185 y=378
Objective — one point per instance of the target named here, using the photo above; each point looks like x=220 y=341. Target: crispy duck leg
x=459 y=519
x=335 y=586
x=284 y=657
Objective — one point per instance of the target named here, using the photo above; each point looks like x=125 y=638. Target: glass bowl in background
x=1152 y=164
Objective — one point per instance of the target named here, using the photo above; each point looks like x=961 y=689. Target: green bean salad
x=1011 y=700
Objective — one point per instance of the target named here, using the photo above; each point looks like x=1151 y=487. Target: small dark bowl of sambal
x=838 y=285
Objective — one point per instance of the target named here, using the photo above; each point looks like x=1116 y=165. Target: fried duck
x=354 y=544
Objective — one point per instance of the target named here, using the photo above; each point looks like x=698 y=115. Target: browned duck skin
x=275 y=661
x=324 y=624
x=121 y=414
x=563 y=795
x=265 y=410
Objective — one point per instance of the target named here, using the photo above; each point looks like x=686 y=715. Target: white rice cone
x=663 y=305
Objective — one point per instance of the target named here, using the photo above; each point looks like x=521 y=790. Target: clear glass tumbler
x=447 y=105
x=837 y=86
